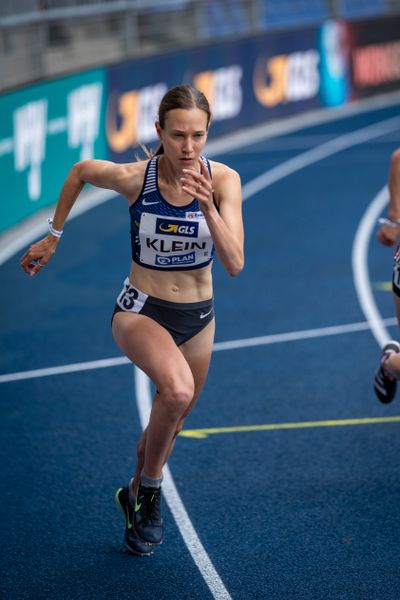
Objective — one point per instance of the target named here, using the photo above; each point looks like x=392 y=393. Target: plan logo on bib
x=176 y=261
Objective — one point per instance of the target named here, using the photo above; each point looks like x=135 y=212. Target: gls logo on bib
x=178 y=227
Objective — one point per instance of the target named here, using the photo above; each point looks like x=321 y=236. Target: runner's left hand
x=199 y=185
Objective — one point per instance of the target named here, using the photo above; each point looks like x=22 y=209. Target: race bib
x=174 y=242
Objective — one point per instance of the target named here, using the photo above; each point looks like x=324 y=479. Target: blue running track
x=286 y=484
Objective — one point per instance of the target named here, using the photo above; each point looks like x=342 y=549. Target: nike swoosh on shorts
x=204 y=315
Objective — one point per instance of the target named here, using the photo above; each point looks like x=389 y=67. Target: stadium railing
x=40 y=39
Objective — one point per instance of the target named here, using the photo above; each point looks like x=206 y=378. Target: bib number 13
x=128 y=297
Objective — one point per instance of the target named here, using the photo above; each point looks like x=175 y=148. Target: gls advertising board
x=106 y=113
x=247 y=82
x=257 y=79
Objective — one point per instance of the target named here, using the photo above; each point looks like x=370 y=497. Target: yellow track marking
x=382 y=286
x=204 y=433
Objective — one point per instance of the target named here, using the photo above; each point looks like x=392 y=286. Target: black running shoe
x=132 y=541
x=385 y=387
x=147 y=518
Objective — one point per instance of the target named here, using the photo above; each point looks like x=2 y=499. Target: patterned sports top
x=167 y=237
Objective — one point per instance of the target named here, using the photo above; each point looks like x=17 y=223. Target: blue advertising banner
x=246 y=82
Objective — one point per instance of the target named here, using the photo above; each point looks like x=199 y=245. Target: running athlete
x=388 y=371
x=183 y=209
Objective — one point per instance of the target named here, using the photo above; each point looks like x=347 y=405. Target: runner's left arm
x=225 y=222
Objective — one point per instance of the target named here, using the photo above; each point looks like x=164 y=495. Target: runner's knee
x=177 y=396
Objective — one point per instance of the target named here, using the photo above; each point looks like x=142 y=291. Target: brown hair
x=182 y=96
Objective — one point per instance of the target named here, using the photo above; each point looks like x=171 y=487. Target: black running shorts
x=182 y=320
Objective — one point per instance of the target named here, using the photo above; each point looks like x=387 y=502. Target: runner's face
x=184 y=136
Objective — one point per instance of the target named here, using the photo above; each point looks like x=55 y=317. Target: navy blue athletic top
x=167 y=237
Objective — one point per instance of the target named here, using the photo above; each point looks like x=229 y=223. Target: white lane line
x=294 y=336
x=305 y=159
x=173 y=499
x=62 y=369
x=361 y=277
x=264 y=340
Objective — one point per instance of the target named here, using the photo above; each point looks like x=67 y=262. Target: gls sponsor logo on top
x=180 y=228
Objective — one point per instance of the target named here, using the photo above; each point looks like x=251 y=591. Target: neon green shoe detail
x=124 y=509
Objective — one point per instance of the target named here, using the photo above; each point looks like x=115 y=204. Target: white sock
x=150 y=481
